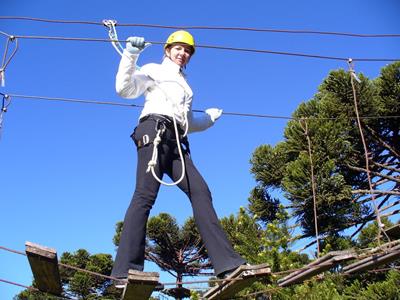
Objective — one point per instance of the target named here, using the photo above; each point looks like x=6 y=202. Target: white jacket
x=165 y=89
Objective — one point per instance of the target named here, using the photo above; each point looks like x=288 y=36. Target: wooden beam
x=374 y=260
x=140 y=285
x=245 y=275
x=44 y=265
x=318 y=266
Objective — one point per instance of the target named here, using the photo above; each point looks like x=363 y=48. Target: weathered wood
x=44 y=265
x=376 y=259
x=245 y=276
x=140 y=285
x=318 y=266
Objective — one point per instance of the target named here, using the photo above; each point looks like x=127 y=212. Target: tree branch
x=397 y=193
x=382 y=142
x=390 y=205
x=386 y=167
x=365 y=200
x=391 y=178
x=395 y=212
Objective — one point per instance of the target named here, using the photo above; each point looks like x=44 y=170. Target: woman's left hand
x=214 y=113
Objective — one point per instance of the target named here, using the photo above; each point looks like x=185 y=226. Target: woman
x=164 y=121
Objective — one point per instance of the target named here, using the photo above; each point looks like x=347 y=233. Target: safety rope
x=112 y=32
x=313 y=185
x=353 y=76
x=296 y=54
x=5 y=62
x=190 y=27
x=226 y=113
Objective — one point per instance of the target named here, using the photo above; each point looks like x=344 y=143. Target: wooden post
x=140 y=285
x=44 y=265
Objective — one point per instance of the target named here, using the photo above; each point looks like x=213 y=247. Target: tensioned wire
x=263 y=51
x=239 y=114
x=185 y=27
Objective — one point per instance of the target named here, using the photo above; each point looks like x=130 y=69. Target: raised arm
x=130 y=81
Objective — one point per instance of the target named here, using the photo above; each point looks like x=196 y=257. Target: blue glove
x=135 y=44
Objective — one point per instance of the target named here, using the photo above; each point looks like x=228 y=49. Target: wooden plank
x=140 y=285
x=373 y=261
x=310 y=271
x=44 y=265
x=318 y=266
x=245 y=276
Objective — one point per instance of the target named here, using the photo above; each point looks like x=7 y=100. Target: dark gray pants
x=131 y=248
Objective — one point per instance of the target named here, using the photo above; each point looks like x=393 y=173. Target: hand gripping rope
x=112 y=32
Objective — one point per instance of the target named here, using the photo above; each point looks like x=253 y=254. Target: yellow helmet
x=180 y=36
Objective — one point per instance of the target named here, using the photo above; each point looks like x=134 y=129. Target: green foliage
x=83 y=285
x=341 y=288
x=34 y=295
x=79 y=284
x=313 y=290
x=244 y=234
x=194 y=295
x=386 y=289
x=336 y=243
x=263 y=244
x=176 y=249
x=117 y=235
x=263 y=206
x=337 y=154
x=368 y=236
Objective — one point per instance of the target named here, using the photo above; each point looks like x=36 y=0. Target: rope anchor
x=6 y=61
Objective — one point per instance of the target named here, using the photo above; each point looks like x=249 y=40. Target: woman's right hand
x=135 y=44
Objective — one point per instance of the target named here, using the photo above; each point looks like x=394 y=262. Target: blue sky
x=68 y=170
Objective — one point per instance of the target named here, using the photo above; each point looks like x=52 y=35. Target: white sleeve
x=199 y=122
x=131 y=83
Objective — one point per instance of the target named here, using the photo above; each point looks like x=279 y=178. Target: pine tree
x=324 y=139
x=176 y=250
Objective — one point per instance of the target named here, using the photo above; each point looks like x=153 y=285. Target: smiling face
x=179 y=53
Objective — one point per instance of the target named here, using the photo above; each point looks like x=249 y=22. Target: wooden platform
x=230 y=288
x=386 y=255
x=44 y=265
x=320 y=265
x=140 y=285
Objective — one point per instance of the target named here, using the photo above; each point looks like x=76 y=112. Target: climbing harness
x=112 y=32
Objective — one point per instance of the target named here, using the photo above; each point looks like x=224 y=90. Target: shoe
x=226 y=274
x=159 y=287
x=121 y=283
